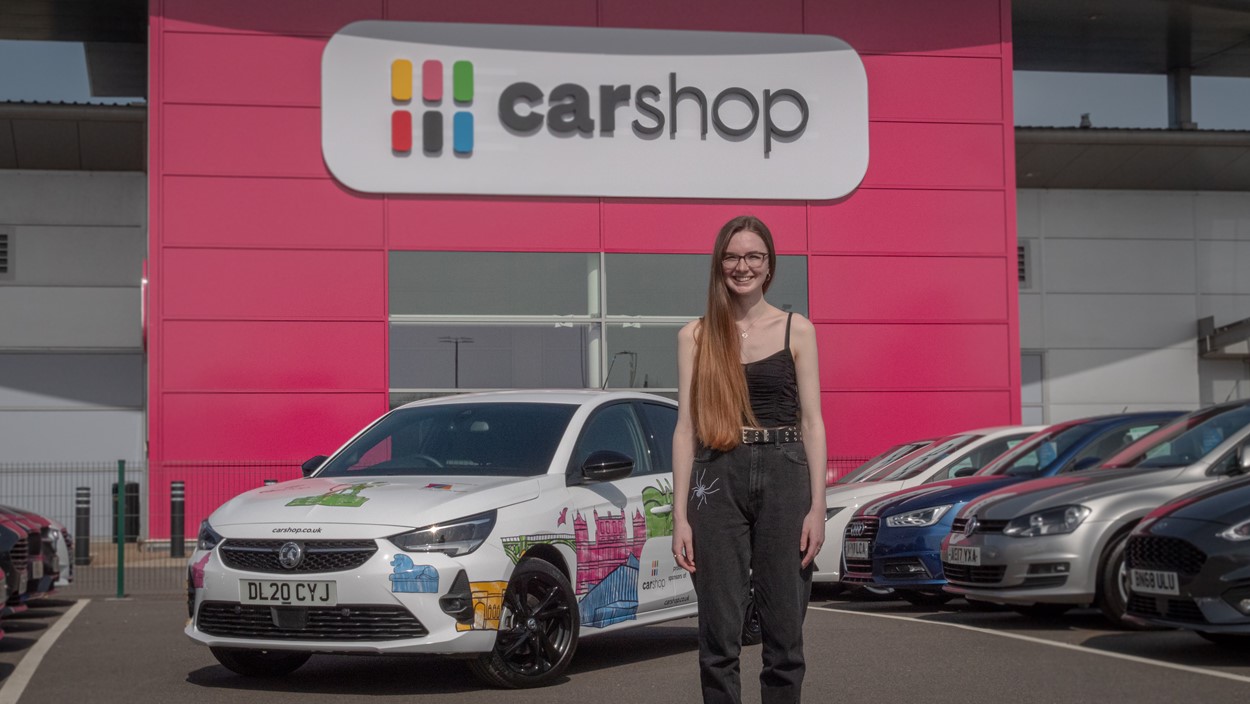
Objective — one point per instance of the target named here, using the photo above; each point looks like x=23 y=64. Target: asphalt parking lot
x=133 y=650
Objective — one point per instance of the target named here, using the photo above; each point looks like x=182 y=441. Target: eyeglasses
x=754 y=260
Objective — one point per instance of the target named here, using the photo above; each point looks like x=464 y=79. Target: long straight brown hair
x=720 y=403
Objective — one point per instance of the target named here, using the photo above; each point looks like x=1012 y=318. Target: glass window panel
x=1031 y=378
x=676 y=284
x=641 y=356
x=493 y=283
x=492 y=356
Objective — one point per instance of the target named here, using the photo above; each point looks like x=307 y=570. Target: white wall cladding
x=71 y=357
x=1120 y=281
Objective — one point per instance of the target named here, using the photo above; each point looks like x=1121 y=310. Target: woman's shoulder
x=690 y=328
x=801 y=326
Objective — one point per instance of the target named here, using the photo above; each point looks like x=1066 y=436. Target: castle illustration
x=610 y=549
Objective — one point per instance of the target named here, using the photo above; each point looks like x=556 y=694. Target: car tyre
x=254 y=662
x=752 y=631
x=1112 y=594
x=538 y=629
x=922 y=598
x=1233 y=641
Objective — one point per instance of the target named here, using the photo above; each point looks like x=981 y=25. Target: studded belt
x=756 y=436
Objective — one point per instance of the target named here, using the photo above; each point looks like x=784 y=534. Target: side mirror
x=312 y=464
x=965 y=471
x=606 y=465
x=1243 y=457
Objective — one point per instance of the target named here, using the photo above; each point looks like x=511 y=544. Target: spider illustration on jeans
x=701 y=492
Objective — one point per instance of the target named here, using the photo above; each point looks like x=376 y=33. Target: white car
x=501 y=525
x=952 y=456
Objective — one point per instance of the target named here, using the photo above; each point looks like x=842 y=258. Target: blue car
x=900 y=535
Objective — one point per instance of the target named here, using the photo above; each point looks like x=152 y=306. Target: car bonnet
x=954 y=491
x=1081 y=488
x=406 y=502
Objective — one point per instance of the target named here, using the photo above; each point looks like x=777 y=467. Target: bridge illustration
x=518 y=545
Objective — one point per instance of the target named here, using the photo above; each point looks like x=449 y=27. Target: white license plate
x=856 y=549
x=1153 y=582
x=964 y=556
x=275 y=593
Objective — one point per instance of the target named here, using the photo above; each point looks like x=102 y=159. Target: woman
x=749 y=455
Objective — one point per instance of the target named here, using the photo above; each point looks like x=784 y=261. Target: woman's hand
x=683 y=545
x=813 y=536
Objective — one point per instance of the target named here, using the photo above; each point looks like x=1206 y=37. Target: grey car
x=1047 y=545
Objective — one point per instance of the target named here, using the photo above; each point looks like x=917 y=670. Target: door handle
x=661 y=510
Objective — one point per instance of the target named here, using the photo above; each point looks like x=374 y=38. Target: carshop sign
x=563 y=111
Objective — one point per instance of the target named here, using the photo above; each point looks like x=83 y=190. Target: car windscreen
x=935 y=454
x=1038 y=453
x=476 y=439
x=1185 y=440
x=880 y=461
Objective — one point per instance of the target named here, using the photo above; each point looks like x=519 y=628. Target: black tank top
x=774 y=387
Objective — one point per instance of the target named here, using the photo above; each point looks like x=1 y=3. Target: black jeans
x=746 y=510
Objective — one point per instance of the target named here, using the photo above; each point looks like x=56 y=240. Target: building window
x=6 y=254
x=1032 y=403
x=470 y=321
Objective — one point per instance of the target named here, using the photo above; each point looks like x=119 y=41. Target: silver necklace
x=744 y=333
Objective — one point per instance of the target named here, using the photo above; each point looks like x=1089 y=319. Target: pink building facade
x=268 y=305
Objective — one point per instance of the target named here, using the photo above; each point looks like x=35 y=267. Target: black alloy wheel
x=752 y=631
x=1113 y=585
x=537 y=630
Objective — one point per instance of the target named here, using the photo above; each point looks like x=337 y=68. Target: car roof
x=574 y=397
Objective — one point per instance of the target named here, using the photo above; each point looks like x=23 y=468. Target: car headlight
x=1052 y=521
x=918 y=519
x=455 y=538
x=1237 y=533
x=207 y=538
x=831 y=512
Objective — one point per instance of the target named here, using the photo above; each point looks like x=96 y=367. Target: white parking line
x=16 y=683
x=1042 y=641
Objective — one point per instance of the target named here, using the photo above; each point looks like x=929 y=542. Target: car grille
x=319 y=555
x=1163 y=607
x=20 y=555
x=345 y=622
x=967 y=574
x=983 y=526
x=861 y=529
x=1149 y=552
x=906 y=568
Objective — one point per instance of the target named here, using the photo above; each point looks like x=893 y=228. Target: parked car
x=1061 y=540
x=13 y=562
x=962 y=452
x=894 y=453
x=27 y=554
x=53 y=561
x=501 y=527
x=903 y=532
x=1189 y=562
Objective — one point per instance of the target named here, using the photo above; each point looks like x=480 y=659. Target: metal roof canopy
x=1210 y=37
x=1230 y=341
x=73 y=137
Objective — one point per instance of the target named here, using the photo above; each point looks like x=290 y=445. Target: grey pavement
x=134 y=651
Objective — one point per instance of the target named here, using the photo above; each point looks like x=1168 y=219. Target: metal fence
x=161 y=506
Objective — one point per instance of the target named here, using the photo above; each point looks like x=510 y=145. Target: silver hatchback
x=1047 y=545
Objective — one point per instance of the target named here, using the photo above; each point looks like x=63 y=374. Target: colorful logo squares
x=402 y=85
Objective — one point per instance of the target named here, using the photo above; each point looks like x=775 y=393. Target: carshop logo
x=513 y=110
x=432 y=98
